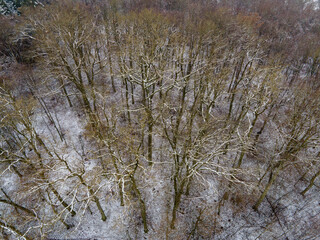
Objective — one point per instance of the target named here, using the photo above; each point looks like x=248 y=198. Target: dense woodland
x=164 y=119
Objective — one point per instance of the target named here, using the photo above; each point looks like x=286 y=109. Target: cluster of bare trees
x=180 y=102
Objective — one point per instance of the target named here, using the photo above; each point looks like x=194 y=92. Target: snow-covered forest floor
x=125 y=123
